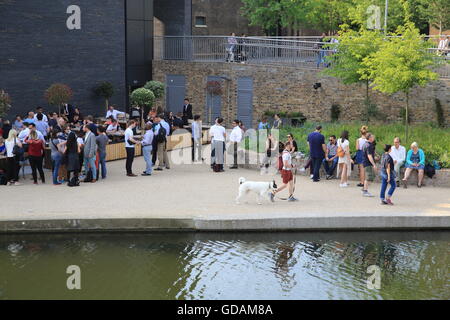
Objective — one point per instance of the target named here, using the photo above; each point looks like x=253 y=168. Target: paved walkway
x=201 y=199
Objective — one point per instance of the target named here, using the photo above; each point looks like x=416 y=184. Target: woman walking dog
x=286 y=174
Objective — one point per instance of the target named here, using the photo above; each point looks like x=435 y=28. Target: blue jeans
x=102 y=163
x=384 y=184
x=56 y=164
x=320 y=58
x=89 y=163
x=330 y=170
x=147 y=151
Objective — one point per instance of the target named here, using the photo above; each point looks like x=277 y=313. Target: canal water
x=412 y=265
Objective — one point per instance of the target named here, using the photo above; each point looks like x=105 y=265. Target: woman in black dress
x=72 y=156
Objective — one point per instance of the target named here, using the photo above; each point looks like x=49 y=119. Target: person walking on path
x=35 y=155
x=130 y=144
x=90 y=152
x=102 y=141
x=317 y=150
x=197 y=139
x=147 y=147
x=286 y=174
x=387 y=174
x=235 y=138
x=370 y=168
x=345 y=160
x=359 y=160
x=398 y=154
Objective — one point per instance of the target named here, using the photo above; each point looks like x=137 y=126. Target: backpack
x=89 y=176
x=74 y=182
x=161 y=136
x=429 y=170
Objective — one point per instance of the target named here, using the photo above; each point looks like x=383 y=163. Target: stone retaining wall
x=291 y=89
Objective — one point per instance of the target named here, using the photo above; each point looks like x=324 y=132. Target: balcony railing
x=257 y=50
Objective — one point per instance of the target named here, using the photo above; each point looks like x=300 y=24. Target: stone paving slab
x=191 y=197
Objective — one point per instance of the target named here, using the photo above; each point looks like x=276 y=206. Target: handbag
x=17 y=151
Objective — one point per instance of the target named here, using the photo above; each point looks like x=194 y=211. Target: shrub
x=439 y=113
x=158 y=88
x=5 y=103
x=142 y=97
x=105 y=90
x=58 y=94
x=335 y=112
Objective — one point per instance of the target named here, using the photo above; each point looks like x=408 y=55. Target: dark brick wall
x=37 y=50
x=176 y=16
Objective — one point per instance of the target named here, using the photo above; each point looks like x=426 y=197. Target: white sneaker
x=343 y=185
x=311 y=176
x=367 y=194
x=302 y=169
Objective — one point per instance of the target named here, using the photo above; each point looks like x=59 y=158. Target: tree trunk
x=407 y=117
x=107 y=104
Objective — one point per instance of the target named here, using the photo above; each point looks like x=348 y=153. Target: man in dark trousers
x=187 y=112
x=317 y=149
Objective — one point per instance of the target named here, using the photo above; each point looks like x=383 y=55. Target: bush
x=142 y=97
x=439 y=113
x=5 y=103
x=105 y=90
x=435 y=142
x=58 y=94
x=158 y=88
x=335 y=112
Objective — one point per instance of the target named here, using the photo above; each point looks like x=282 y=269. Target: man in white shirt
x=23 y=135
x=113 y=113
x=130 y=143
x=197 y=138
x=398 y=154
x=40 y=110
x=218 y=135
x=235 y=138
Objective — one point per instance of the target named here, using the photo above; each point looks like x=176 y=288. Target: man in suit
x=187 y=112
x=90 y=151
x=68 y=111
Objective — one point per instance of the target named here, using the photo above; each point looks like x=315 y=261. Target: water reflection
x=226 y=266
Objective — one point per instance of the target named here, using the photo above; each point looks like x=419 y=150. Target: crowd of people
x=77 y=142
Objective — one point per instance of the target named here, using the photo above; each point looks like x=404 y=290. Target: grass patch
x=434 y=141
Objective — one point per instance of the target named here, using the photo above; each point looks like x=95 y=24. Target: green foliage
x=434 y=141
x=437 y=12
x=439 y=113
x=5 y=103
x=142 y=97
x=335 y=112
x=57 y=94
x=347 y=64
x=158 y=88
x=104 y=90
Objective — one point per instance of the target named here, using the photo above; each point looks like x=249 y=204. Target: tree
x=437 y=12
x=58 y=94
x=158 y=88
x=325 y=15
x=142 y=97
x=106 y=91
x=5 y=103
x=401 y=63
x=347 y=63
x=264 y=13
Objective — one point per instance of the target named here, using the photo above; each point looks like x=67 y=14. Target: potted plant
x=142 y=98
x=106 y=91
x=5 y=103
x=58 y=94
x=158 y=88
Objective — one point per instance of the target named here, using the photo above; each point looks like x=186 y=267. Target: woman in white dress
x=345 y=160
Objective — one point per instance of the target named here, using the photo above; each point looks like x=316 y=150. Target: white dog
x=262 y=189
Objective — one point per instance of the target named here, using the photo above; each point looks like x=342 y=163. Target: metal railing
x=256 y=50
